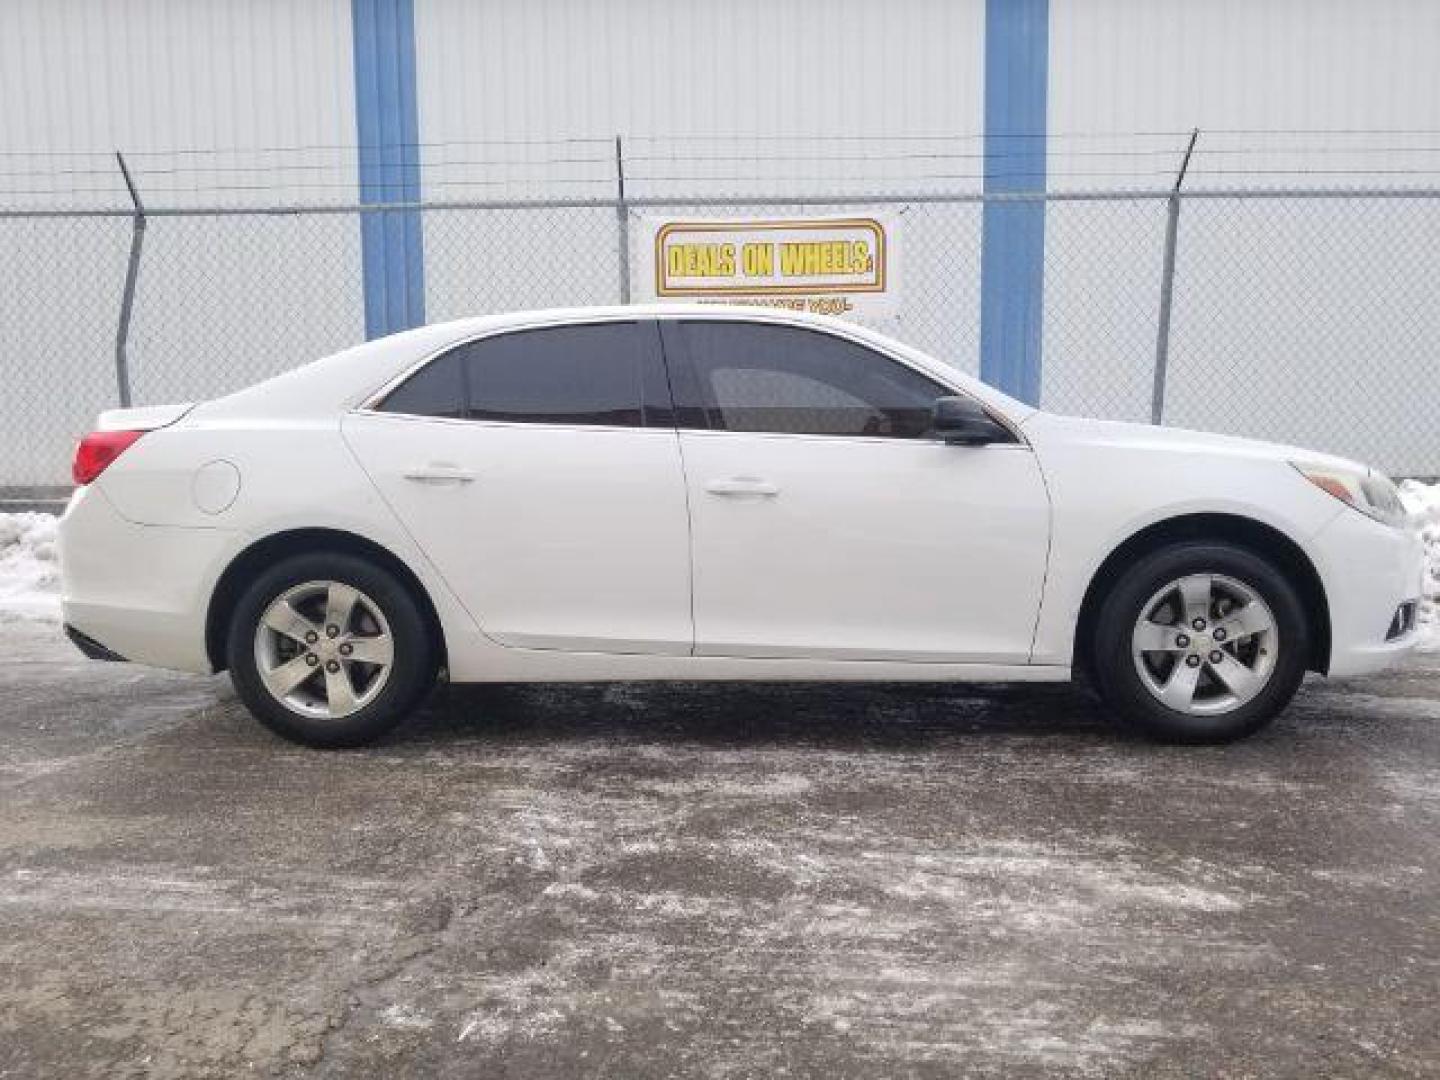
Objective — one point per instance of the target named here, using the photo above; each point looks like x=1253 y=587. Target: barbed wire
x=607 y=141
x=608 y=163
x=702 y=162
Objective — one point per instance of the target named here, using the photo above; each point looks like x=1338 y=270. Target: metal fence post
x=132 y=275
x=622 y=221
x=1167 y=287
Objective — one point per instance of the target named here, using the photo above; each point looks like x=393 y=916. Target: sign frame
x=879 y=255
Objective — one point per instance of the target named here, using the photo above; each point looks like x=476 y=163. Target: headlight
x=1374 y=495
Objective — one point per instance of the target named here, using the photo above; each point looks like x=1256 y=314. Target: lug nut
x=1216 y=656
x=1182 y=642
x=1219 y=634
x=332 y=666
x=1192 y=660
x=311 y=637
x=332 y=631
x=311 y=659
x=346 y=650
x=1198 y=624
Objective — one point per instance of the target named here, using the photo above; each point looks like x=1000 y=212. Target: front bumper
x=1369 y=571
x=139 y=592
x=92 y=649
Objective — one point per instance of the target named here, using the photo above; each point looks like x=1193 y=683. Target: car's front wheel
x=1200 y=642
x=329 y=650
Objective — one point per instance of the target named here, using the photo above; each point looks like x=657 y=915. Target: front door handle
x=743 y=487
x=439 y=473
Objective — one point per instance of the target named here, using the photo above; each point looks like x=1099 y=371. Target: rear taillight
x=97 y=451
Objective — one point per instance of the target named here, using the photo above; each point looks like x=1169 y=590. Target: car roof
x=741 y=312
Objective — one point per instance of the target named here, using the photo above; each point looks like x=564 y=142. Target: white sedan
x=694 y=493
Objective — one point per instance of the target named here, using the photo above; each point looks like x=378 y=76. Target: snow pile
x=29 y=568
x=1423 y=502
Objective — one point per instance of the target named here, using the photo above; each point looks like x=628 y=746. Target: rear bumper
x=138 y=592
x=1369 y=570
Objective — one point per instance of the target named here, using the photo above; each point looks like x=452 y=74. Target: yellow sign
x=831 y=265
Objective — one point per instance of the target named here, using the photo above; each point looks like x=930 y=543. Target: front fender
x=1104 y=495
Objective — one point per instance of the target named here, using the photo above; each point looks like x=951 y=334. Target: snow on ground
x=30 y=579
x=1423 y=502
x=29 y=568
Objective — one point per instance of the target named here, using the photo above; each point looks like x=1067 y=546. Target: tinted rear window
x=596 y=374
x=435 y=390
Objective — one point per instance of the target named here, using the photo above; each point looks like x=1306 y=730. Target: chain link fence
x=1301 y=316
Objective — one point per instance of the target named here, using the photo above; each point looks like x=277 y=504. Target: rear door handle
x=743 y=487
x=437 y=473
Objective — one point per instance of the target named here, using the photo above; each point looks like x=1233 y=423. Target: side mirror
x=961 y=421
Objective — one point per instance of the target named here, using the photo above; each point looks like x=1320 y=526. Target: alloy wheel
x=1205 y=644
x=324 y=649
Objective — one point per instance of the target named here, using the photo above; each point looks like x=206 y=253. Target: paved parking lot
x=717 y=881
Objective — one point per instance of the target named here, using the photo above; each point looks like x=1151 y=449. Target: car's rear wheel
x=329 y=650
x=1200 y=642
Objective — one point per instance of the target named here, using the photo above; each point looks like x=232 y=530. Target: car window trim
x=684 y=382
x=420 y=418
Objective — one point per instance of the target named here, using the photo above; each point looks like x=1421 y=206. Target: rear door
x=828 y=522
x=539 y=470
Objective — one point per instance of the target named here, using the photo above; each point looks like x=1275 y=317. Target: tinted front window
x=588 y=374
x=752 y=377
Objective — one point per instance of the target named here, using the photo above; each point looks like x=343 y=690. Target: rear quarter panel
x=293 y=473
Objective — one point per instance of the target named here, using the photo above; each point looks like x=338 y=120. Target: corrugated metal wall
x=806 y=96
x=1282 y=311
x=212 y=102
x=253 y=81
x=688 y=72
x=218 y=102
x=1244 y=65
x=208 y=98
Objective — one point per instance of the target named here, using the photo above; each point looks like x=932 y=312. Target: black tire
x=1113 y=666
x=412 y=672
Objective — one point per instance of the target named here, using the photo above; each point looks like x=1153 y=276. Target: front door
x=540 y=472
x=827 y=523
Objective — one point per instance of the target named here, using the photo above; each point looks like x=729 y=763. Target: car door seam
x=1049 y=555
x=689 y=534
x=419 y=548
x=662 y=338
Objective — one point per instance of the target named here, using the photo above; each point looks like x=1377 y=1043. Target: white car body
x=551 y=552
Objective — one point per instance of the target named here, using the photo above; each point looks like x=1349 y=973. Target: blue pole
x=388 y=131
x=1012 y=257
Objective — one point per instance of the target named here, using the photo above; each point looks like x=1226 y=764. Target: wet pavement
x=712 y=881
